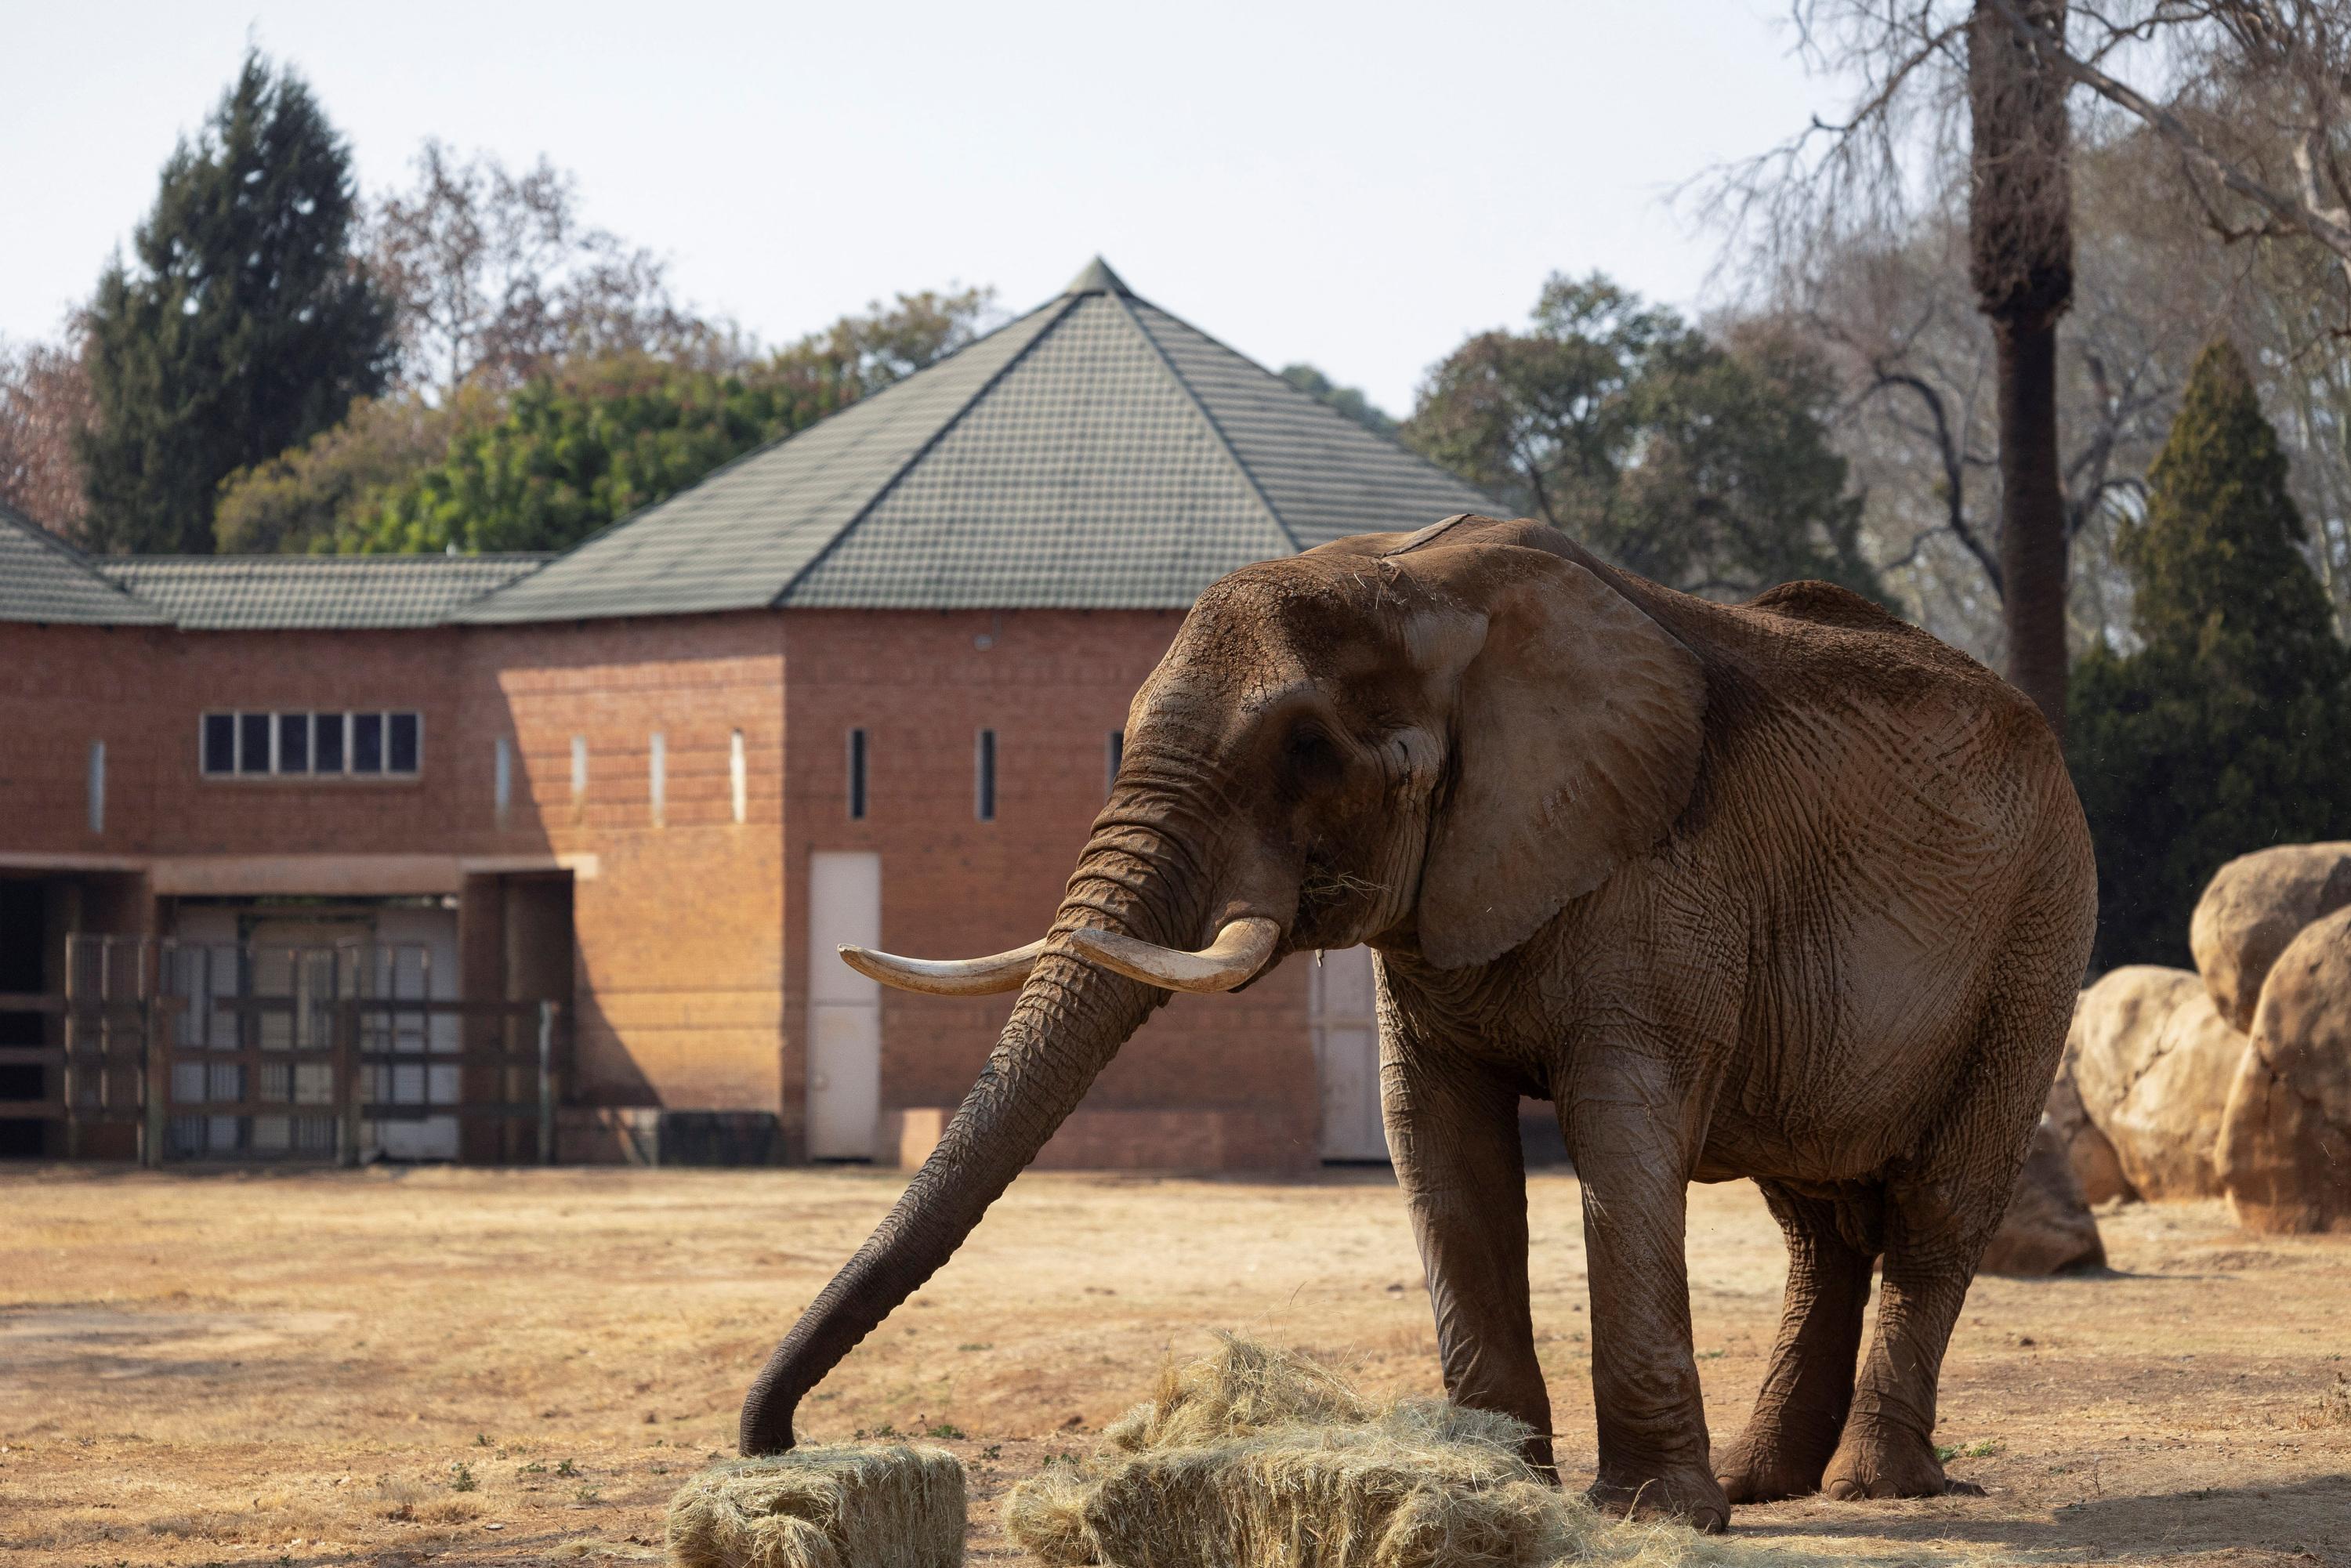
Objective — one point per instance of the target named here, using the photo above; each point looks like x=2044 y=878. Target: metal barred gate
x=260 y=1052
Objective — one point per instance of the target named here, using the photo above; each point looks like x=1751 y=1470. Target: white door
x=844 y=1032
x=1344 y=1014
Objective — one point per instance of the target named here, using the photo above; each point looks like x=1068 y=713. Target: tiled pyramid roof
x=294 y=592
x=1095 y=453
x=44 y=579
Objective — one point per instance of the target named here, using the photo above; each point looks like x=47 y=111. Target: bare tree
x=2254 y=102
x=498 y=277
x=44 y=402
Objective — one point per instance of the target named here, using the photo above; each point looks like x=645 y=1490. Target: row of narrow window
x=983 y=787
x=392 y=742
x=366 y=745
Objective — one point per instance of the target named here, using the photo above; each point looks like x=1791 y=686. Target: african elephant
x=1786 y=889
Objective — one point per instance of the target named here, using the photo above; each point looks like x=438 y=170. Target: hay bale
x=892 y=1506
x=2252 y=907
x=1255 y=1458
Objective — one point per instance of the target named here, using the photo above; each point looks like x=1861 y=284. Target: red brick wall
x=679 y=927
x=691 y=943
x=1235 y=1074
x=680 y=930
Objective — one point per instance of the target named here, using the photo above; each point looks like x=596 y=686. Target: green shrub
x=2226 y=729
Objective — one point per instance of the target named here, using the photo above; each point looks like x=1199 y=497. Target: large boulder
x=2089 y=1152
x=2252 y=907
x=2049 y=1227
x=2152 y=1060
x=2286 y=1140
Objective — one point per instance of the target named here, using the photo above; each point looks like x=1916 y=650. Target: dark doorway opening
x=24 y=940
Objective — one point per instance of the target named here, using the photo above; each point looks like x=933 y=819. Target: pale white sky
x=1358 y=186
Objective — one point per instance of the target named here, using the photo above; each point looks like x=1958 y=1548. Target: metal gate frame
x=116 y=1062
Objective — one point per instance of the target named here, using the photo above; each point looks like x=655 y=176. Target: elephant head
x=1432 y=742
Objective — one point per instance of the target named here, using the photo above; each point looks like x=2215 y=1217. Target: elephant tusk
x=946 y=976
x=1238 y=952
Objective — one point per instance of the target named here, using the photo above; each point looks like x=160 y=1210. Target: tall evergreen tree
x=2226 y=730
x=244 y=326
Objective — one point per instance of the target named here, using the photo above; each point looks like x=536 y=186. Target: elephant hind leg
x=1941 y=1209
x=1800 y=1412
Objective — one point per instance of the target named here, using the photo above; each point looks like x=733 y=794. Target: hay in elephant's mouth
x=890 y=1506
x=1255 y=1458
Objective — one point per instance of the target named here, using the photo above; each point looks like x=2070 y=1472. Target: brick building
x=865 y=684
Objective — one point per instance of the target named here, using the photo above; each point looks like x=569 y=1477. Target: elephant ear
x=1577 y=729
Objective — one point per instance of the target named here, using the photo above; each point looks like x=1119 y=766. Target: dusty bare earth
x=467 y=1366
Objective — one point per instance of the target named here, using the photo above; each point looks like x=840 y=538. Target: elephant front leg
x=1624 y=1127
x=1453 y=1135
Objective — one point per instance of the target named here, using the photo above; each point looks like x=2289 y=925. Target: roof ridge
x=1386 y=438
x=257 y=559
x=1125 y=303
x=740 y=458
x=86 y=564
x=1067 y=304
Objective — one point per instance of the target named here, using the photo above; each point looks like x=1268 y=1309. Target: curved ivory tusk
x=946 y=976
x=1238 y=952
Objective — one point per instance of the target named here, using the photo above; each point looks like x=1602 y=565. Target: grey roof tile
x=44 y=579
x=1087 y=477
x=735 y=540
x=293 y=592
x=1325 y=475
x=1097 y=453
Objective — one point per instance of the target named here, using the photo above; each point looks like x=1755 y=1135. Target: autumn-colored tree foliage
x=2227 y=728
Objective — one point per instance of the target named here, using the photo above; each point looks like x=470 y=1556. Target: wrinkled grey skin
x=1785 y=890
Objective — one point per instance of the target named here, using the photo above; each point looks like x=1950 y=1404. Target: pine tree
x=2226 y=730
x=244 y=326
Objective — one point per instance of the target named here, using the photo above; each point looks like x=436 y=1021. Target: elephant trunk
x=1072 y=1017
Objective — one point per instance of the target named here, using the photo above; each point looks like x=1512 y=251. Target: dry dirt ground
x=474 y=1366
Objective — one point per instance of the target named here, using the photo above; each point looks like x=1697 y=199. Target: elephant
x=1785 y=890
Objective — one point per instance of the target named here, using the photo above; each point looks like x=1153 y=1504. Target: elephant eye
x=1314 y=755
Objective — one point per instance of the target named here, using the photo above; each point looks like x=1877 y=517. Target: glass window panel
x=253 y=743
x=406 y=742
x=366 y=743
x=987 y=781
x=220 y=743
x=857 y=775
x=327 y=743
x=293 y=743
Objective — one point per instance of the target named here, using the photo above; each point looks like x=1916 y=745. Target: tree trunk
x=2021 y=242
x=2033 y=544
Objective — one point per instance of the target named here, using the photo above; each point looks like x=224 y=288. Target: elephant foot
x=1768 y=1466
x=1876 y=1459
x=1690 y=1495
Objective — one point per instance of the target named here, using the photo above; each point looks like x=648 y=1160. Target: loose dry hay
x=886 y=1506
x=1255 y=1458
